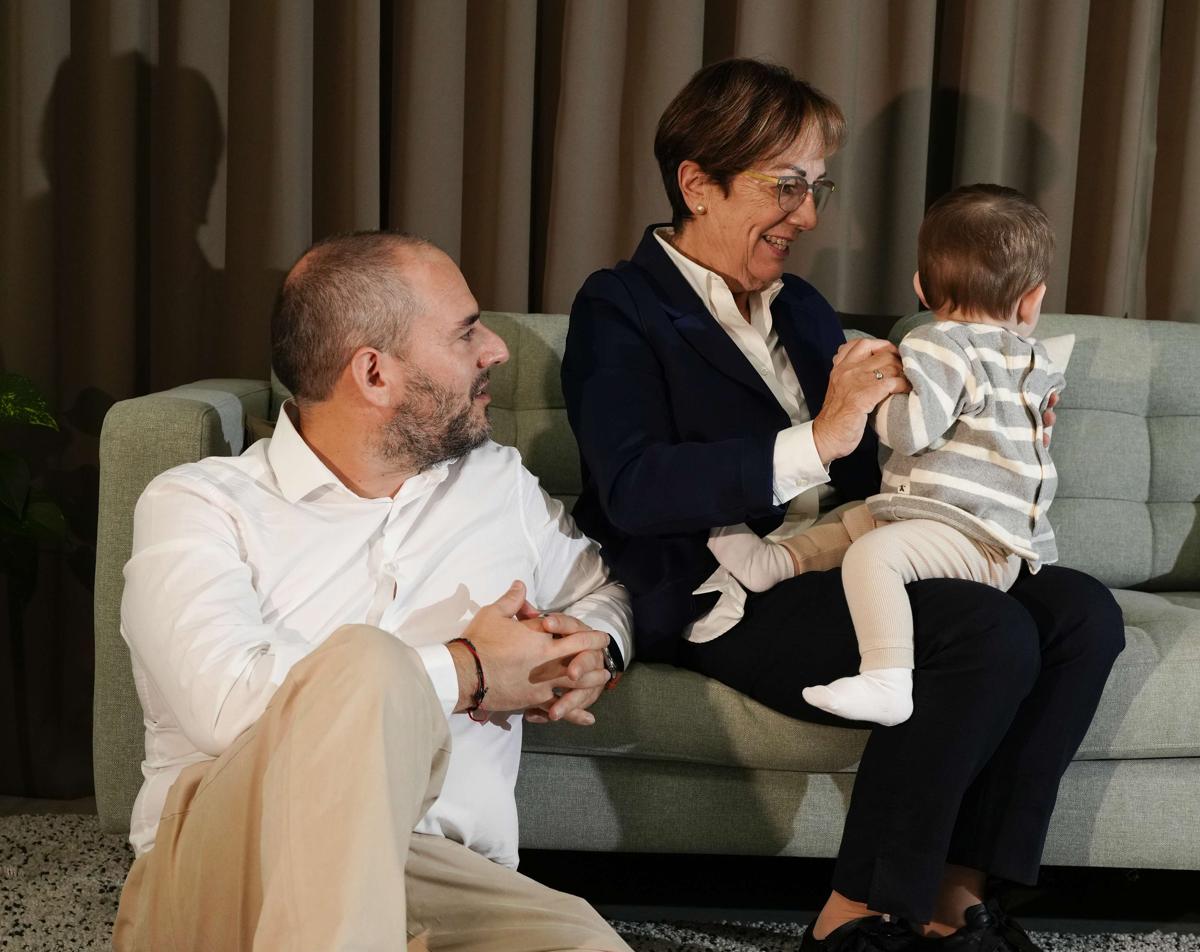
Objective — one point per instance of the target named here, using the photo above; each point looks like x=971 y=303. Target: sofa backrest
x=1127 y=450
x=528 y=410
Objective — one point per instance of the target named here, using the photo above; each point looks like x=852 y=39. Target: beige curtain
x=162 y=162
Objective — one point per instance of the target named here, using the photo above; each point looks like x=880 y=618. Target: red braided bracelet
x=481 y=689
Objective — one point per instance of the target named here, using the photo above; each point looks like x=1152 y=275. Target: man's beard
x=427 y=429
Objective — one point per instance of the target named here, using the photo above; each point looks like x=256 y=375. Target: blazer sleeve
x=619 y=401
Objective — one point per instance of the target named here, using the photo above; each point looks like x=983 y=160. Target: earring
x=700 y=209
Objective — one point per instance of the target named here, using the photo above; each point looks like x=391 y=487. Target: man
x=334 y=637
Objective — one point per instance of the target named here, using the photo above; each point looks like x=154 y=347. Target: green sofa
x=676 y=763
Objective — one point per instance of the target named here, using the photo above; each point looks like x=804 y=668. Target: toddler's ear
x=1029 y=308
x=917 y=288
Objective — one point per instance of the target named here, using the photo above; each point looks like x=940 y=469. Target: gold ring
x=878 y=374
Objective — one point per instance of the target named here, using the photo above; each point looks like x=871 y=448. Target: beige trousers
x=878 y=562
x=299 y=836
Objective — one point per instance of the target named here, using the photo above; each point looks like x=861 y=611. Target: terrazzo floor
x=60 y=882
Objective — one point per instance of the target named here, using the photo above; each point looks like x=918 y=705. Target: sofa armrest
x=141 y=438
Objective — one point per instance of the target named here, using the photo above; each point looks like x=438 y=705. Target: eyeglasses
x=793 y=188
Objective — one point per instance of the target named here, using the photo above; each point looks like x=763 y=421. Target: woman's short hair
x=980 y=248
x=734 y=114
x=347 y=291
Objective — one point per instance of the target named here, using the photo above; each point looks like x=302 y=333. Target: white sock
x=756 y=563
x=883 y=695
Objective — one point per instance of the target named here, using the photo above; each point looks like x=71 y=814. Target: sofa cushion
x=1151 y=704
x=663 y=713
x=1150 y=708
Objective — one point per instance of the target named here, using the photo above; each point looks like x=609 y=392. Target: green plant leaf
x=44 y=521
x=14 y=484
x=20 y=402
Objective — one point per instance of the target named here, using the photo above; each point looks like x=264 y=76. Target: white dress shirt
x=800 y=479
x=243 y=565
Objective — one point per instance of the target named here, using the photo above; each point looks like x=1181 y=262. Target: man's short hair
x=347 y=291
x=980 y=248
x=737 y=113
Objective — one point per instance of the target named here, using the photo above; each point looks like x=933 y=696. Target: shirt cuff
x=614 y=652
x=797 y=463
x=439 y=665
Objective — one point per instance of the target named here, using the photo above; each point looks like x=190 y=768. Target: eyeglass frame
x=828 y=187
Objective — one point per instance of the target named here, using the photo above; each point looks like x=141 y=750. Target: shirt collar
x=299 y=471
x=702 y=279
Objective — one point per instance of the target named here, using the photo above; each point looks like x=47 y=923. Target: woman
x=708 y=388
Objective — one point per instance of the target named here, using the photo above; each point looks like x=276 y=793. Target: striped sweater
x=966 y=443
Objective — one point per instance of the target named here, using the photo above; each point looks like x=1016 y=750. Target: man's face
x=449 y=355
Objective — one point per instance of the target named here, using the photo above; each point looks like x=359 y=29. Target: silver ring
x=878 y=374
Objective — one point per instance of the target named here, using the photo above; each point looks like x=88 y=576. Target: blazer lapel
x=691 y=318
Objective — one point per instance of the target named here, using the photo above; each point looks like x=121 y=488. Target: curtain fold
x=163 y=162
x=1013 y=70
x=622 y=61
x=497 y=176
x=346 y=127
x=1117 y=159
x=187 y=146
x=1173 y=280
x=268 y=210
x=428 y=93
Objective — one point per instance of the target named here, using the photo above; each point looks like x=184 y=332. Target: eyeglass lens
x=792 y=193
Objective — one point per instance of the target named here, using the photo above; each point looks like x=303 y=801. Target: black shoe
x=988 y=929
x=871 y=934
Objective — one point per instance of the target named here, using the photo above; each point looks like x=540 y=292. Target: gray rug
x=60 y=881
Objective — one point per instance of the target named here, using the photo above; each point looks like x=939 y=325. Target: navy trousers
x=1004 y=689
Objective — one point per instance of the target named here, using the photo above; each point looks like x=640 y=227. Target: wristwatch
x=614 y=664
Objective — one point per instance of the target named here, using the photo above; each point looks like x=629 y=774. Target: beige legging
x=299 y=836
x=878 y=562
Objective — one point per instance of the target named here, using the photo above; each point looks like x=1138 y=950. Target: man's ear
x=373 y=376
x=917 y=288
x=1029 y=308
x=695 y=185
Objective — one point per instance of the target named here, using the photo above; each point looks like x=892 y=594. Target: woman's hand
x=864 y=373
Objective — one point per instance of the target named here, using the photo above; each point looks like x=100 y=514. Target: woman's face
x=745 y=236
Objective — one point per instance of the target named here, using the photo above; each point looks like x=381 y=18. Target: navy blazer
x=676 y=429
